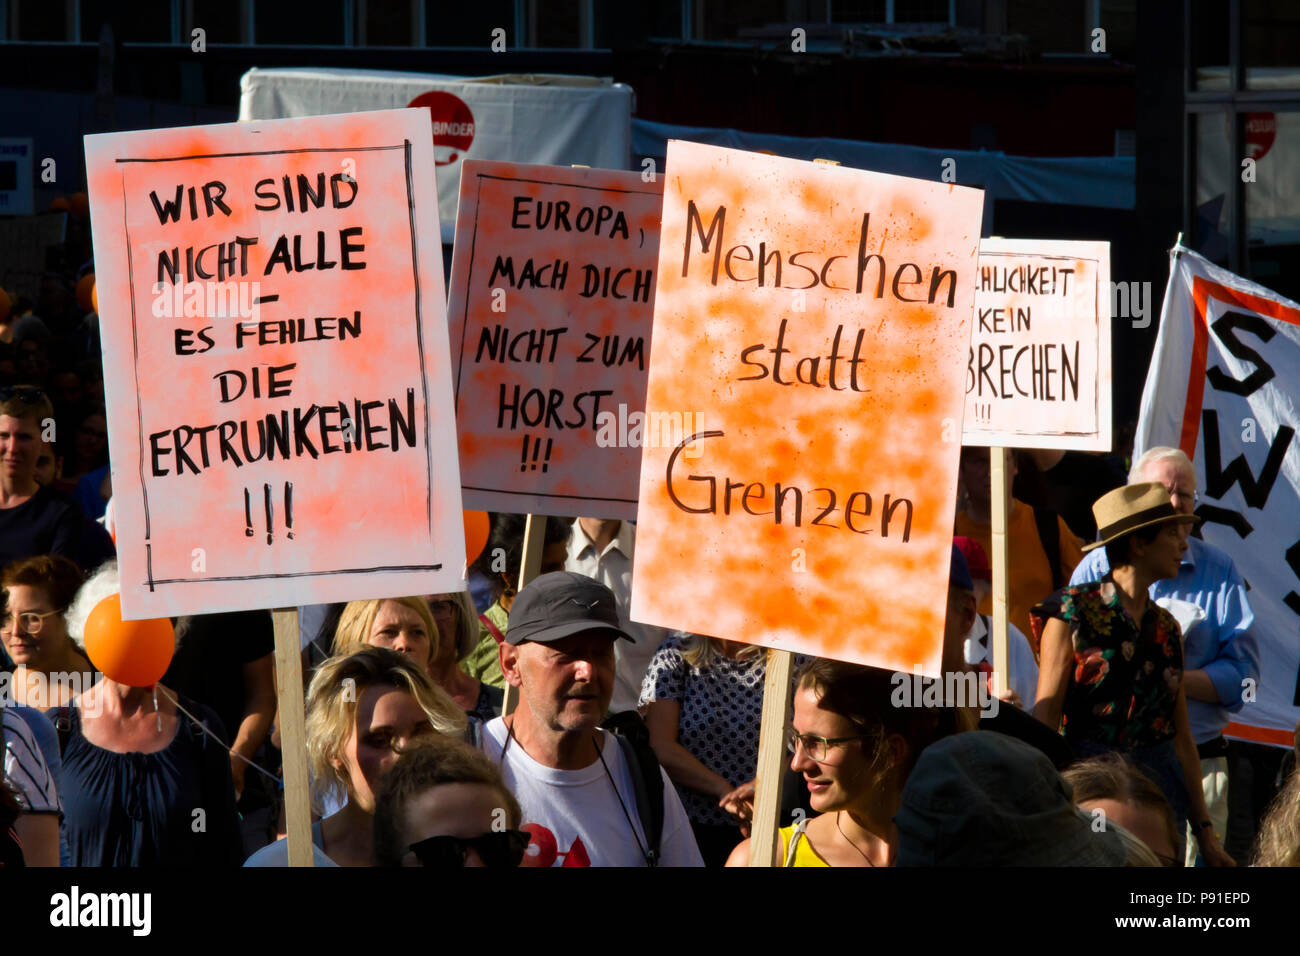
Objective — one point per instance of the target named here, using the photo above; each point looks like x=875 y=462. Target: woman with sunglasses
x=444 y=804
x=363 y=709
x=855 y=751
x=49 y=668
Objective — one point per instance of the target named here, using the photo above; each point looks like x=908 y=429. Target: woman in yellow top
x=855 y=751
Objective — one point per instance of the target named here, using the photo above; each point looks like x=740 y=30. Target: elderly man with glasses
x=1208 y=597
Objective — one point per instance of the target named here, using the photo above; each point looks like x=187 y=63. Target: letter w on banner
x=1224 y=385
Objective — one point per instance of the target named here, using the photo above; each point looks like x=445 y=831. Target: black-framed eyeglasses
x=814 y=746
x=498 y=848
x=27 y=394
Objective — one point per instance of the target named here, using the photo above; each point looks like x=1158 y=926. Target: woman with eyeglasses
x=457 y=630
x=49 y=668
x=855 y=751
x=444 y=804
x=363 y=709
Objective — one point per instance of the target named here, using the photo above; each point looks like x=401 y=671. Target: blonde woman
x=1279 y=833
x=702 y=700
x=363 y=709
x=399 y=624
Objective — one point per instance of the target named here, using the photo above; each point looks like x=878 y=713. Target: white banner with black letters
x=1224 y=385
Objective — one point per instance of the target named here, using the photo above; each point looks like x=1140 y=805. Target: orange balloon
x=4 y=305
x=84 y=285
x=79 y=205
x=94 y=297
x=59 y=204
x=135 y=653
x=477 y=526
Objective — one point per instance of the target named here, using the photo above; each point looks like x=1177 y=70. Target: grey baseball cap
x=554 y=606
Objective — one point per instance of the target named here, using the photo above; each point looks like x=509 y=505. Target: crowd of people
x=1130 y=643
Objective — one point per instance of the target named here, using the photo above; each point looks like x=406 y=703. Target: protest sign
x=814 y=317
x=1038 y=371
x=551 y=303
x=275 y=356
x=1223 y=387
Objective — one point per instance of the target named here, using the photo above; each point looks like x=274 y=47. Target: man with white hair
x=1220 y=655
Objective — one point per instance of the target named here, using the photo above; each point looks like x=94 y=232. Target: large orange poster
x=551 y=302
x=275 y=362
x=818 y=319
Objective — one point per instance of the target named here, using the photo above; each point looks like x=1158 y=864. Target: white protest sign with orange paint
x=818 y=318
x=275 y=363
x=1038 y=370
x=551 y=304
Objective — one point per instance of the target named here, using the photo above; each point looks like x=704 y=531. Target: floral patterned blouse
x=1126 y=676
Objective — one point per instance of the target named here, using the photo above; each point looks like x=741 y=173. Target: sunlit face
x=1145 y=823
x=400 y=628
x=1180 y=482
x=19 y=447
x=837 y=781
x=41 y=651
x=464 y=810
x=387 y=721
x=566 y=684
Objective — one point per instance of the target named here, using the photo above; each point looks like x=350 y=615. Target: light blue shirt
x=1222 y=645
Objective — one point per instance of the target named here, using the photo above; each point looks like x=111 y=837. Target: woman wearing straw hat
x=1111 y=660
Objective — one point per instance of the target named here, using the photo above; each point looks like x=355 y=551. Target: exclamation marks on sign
x=269 y=508
x=538 y=457
x=983 y=412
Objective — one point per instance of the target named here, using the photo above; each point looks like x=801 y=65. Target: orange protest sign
x=551 y=302
x=818 y=318
x=275 y=359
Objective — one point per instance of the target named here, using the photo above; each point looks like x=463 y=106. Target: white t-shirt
x=574 y=815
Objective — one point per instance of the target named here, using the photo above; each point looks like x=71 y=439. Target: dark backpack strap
x=647 y=780
x=1049 y=534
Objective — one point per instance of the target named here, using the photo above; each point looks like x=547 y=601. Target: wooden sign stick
x=777 y=697
x=529 y=567
x=293 y=735
x=1000 y=505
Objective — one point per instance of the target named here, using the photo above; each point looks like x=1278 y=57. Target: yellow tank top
x=798 y=851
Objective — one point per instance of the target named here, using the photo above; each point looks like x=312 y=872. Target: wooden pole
x=293 y=735
x=1000 y=501
x=777 y=697
x=529 y=567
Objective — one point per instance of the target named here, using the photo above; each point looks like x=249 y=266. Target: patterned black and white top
x=721 y=709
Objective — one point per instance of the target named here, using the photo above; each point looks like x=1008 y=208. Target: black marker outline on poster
x=405 y=146
x=464 y=325
x=1096 y=321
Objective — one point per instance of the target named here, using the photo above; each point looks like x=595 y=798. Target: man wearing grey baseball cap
x=575 y=782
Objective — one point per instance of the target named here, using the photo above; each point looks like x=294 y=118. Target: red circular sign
x=453 y=125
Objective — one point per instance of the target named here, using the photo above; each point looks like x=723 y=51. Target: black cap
x=560 y=604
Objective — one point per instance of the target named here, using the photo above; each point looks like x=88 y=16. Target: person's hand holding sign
x=740 y=804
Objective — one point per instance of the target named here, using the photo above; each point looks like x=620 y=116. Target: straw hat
x=1126 y=509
